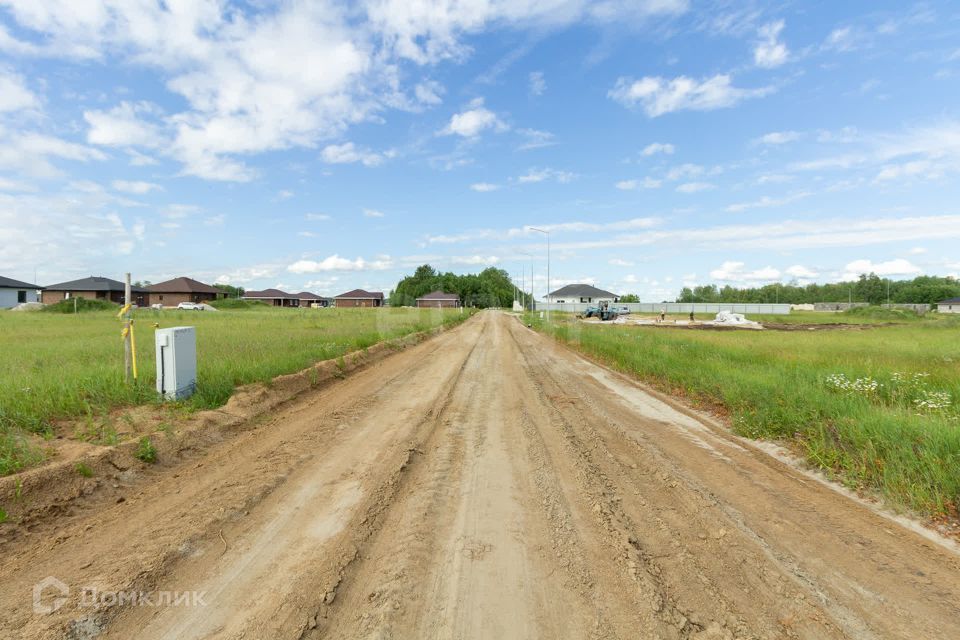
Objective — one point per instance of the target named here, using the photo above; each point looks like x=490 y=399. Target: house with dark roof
x=14 y=292
x=359 y=298
x=580 y=293
x=308 y=299
x=950 y=305
x=273 y=297
x=93 y=288
x=183 y=289
x=439 y=299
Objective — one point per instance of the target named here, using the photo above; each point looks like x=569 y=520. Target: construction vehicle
x=602 y=310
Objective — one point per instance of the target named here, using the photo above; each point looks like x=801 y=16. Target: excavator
x=602 y=310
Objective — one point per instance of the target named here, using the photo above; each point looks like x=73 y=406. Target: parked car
x=190 y=306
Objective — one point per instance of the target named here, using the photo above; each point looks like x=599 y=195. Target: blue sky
x=325 y=146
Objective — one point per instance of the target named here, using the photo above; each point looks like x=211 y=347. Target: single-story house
x=439 y=299
x=580 y=293
x=308 y=299
x=359 y=298
x=173 y=292
x=14 y=292
x=951 y=305
x=273 y=297
x=93 y=288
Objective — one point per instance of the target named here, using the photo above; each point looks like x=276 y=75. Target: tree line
x=869 y=288
x=490 y=288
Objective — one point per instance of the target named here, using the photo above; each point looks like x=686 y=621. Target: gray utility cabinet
x=176 y=362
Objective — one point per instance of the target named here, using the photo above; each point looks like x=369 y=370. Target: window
x=586 y=299
x=21 y=296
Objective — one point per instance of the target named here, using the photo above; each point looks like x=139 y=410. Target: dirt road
x=486 y=483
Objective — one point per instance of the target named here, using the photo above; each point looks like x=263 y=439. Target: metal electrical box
x=176 y=362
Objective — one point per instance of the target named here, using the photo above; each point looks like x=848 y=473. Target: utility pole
x=546 y=233
x=531 y=279
x=127 y=357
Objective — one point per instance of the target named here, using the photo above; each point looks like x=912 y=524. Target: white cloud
x=658 y=147
x=348 y=153
x=484 y=187
x=535 y=139
x=136 y=186
x=539 y=175
x=473 y=121
x=123 y=125
x=619 y=262
x=897 y=267
x=694 y=187
x=916 y=251
x=317 y=217
x=766 y=202
x=373 y=213
x=770 y=52
x=736 y=272
x=336 y=263
x=428 y=92
x=658 y=96
x=537 y=83
x=31 y=153
x=14 y=94
x=801 y=272
x=627 y=185
x=778 y=137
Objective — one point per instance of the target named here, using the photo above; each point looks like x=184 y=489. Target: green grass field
x=64 y=366
x=875 y=408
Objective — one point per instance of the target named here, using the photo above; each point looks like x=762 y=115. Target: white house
x=949 y=306
x=14 y=292
x=580 y=293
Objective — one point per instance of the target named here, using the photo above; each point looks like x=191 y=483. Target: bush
x=881 y=313
x=82 y=305
x=146 y=451
x=236 y=303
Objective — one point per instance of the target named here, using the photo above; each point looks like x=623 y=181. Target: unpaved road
x=486 y=483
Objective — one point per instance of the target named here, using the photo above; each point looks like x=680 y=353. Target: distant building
x=439 y=299
x=308 y=299
x=359 y=298
x=173 y=292
x=580 y=293
x=14 y=292
x=93 y=288
x=273 y=297
x=951 y=305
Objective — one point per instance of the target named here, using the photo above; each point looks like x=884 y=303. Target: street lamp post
x=531 y=279
x=546 y=233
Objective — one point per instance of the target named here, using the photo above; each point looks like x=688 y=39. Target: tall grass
x=778 y=385
x=55 y=367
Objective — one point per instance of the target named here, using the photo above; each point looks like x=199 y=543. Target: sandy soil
x=486 y=483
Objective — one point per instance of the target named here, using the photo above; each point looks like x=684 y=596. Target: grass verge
x=59 y=367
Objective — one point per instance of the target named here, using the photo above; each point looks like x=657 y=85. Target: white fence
x=675 y=307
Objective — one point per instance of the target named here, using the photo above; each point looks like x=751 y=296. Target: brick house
x=173 y=292
x=439 y=299
x=274 y=297
x=359 y=298
x=93 y=288
x=308 y=299
x=14 y=292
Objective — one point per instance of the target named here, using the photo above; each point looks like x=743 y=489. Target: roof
x=306 y=295
x=360 y=294
x=950 y=301
x=439 y=295
x=269 y=293
x=182 y=285
x=582 y=291
x=93 y=283
x=16 y=284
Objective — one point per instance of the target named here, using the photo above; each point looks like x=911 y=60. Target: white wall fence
x=675 y=307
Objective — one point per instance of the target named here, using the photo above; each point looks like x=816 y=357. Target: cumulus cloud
x=801 y=272
x=767 y=202
x=658 y=147
x=897 y=267
x=694 y=187
x=732 y=271
x=659 y=96
x=539 y=175
x=484 y=187
x=348 y=152
x=125 y=125
x=473 y=121
x=770 y=52
x=14 y=94
x=537 y=83
x=778 y=137
x=373 y=213
x=535 y=139
x=336 y=263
